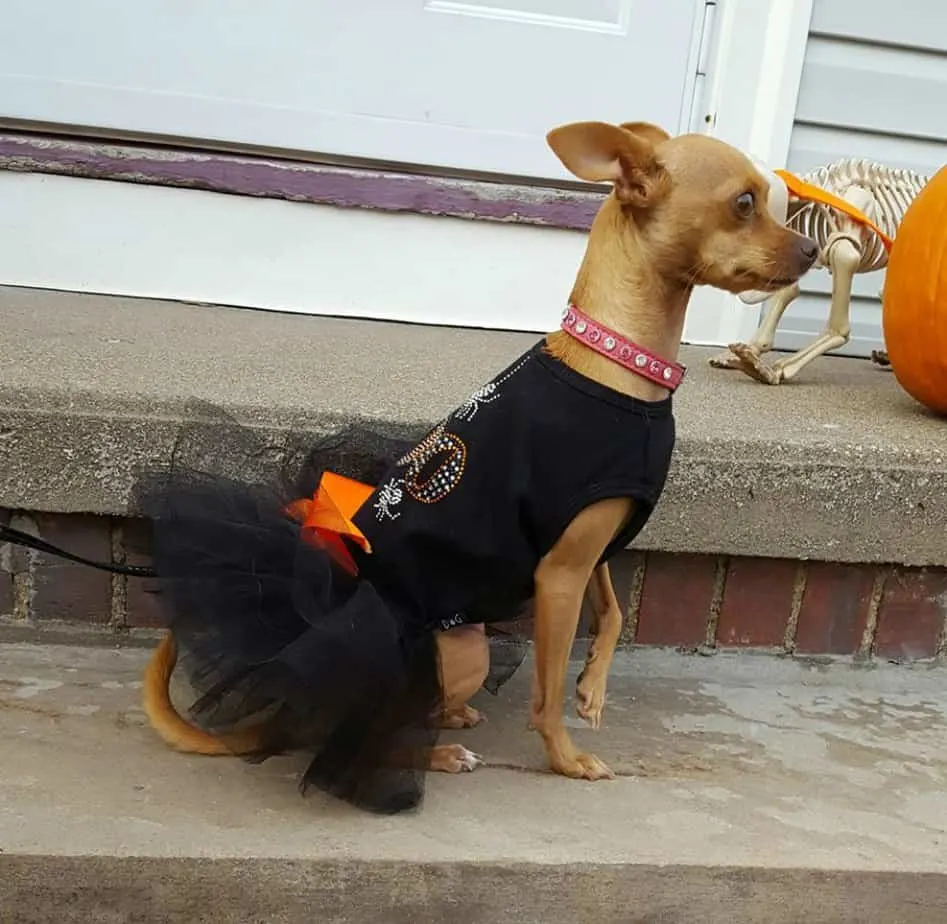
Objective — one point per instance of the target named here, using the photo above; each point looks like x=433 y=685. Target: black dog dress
x=343 y=665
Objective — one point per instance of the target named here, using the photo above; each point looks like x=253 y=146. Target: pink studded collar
x=613 y=346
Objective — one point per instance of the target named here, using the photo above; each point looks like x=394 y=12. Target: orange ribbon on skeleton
x=326 y=517
x=803 y=190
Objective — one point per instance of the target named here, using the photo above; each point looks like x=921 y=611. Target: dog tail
x=167 y=721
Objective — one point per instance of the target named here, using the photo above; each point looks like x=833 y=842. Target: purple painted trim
x=301 y=182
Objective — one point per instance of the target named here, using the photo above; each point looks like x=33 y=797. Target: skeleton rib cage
x=892 y=190
x=846 y=248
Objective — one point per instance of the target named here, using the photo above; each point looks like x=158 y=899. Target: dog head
x=695 y=208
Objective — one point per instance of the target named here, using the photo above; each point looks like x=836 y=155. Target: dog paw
x=590 y=700
x=465 y=717
x=454 y=758
x=583 y=767
x=590 y=703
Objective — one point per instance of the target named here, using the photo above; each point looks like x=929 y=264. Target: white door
x=467 y=85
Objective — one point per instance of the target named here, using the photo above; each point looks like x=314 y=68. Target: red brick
x=675 y=599
x=757 y=602
x=142 y=610
x=911 y=615
x=71 y=592
x=834 y=608
x=6 y=593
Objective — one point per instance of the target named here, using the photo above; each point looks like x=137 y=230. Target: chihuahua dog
x=682 y=212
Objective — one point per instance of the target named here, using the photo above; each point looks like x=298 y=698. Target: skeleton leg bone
x=880 y=192
x=842 y=258
x=762 y=341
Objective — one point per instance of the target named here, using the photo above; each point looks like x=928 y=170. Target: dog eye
x=745 y=204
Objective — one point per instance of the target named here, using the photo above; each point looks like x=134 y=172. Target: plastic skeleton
x=847 y=246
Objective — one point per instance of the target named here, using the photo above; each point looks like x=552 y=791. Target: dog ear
x=647 y=130
x=603 y=153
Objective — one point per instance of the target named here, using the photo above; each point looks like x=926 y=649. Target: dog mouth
x=771 y=284
x=750 y=279
x=767 y=285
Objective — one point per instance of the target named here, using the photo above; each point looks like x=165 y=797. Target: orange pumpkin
x=914 y=305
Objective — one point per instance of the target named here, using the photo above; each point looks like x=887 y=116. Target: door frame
x=756 y=69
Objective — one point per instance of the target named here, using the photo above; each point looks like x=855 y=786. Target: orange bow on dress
x=326 y=517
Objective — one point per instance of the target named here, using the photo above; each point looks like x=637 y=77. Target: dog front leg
x=561 y=580
x=558 y=600
x=607 y=622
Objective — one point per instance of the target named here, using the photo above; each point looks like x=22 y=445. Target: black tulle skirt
x=273 y=632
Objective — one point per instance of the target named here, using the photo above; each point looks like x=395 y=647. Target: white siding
x=874 y=85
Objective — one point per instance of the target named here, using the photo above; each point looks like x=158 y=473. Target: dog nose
x=808 y=250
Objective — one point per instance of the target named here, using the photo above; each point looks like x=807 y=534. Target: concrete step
x=750 y=789
x=856 y=469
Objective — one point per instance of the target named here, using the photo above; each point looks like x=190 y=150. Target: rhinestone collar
x=613 y=346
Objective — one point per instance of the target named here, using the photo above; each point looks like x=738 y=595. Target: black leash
x=18 y=537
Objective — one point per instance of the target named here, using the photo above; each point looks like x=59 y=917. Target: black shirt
x=459 y=525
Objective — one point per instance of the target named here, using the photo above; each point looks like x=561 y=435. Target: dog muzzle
x=785 y=187
x=777 y=204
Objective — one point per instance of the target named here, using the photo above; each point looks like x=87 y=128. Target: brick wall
x=692 y=602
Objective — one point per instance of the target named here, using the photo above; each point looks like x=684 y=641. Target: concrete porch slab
x=749 y=790
x=840 y=466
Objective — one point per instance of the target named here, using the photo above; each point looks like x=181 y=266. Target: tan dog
x=684 y=211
